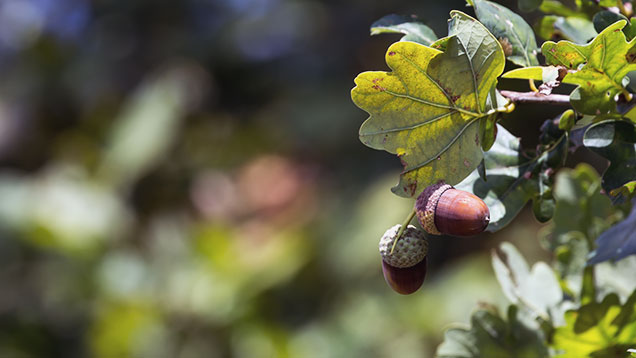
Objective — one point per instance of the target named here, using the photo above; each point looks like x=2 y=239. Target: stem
x=588 y=289
x=536 y=97
x=626 y=94
x=402 y=228
x=532 y=86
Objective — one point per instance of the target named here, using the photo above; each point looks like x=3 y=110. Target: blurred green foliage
x=183 y=179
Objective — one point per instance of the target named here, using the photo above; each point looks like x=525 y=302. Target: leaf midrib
x=450 y=143
x=448 y=97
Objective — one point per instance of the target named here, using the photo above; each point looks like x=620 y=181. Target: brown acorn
x=405 y=280
x=404 y=269
x=442 y=209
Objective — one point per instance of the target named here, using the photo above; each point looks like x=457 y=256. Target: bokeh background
x=184 y=179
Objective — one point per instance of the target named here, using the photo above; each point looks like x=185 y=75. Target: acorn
x=404 y=269
x=442 y=209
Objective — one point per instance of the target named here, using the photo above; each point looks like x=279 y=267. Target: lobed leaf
x=602 y=66
x=614 y=140
x=580 y=215
x=493 y=337
x=505 y=25
x=537 y=289
x=605 y=329
x=428 y=109
x=413 y=30
x=617 y=242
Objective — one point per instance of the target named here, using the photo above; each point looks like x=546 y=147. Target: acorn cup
x=404 y=269
x=442 y=209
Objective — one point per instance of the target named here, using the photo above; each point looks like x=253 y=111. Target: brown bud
x=405 y=280
x=442 y=209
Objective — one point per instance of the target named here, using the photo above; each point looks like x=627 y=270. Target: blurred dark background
x=184 y=179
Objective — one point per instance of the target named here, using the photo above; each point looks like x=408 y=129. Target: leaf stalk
x=402 y=228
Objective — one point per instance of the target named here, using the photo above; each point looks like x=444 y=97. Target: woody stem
x=536 y=97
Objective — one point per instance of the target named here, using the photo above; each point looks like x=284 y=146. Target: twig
x=536 y=97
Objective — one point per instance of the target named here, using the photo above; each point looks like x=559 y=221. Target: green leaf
x=427 y=111
x=413 y=30
x=608 y=3
x=605 y=18
x=537 y=73
x=493 y=337
x=511 y=177
x=604 y=329
x=617 y=242
x=529 y=5
x=615 y=141
x=543 y=203
x=576 y=29
x=601 y=65
x=148 y=125
x=580 y=215
x=505 y=24
x=630 y=29
x=557 y=8
x=627 y=190
x=537 y=289
x=580 y=205
x=588 y=8
x=488 y=132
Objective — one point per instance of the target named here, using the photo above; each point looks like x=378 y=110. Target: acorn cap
x=442 y=209
x=426 y=204
x=409 y=250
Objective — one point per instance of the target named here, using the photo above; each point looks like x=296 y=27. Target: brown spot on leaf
x=439 y=158
x=412 y=187
x=375 y=80
x=402 y=161
x=466 y=163
x=476 y=139
x=553 y=50
x=379 y=88
x=454 y=98
x=506 y=46
x=391 y=53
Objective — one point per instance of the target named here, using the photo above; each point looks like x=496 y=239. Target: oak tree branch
x=537 y=97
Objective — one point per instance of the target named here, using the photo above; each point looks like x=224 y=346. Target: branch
x=536 y=97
